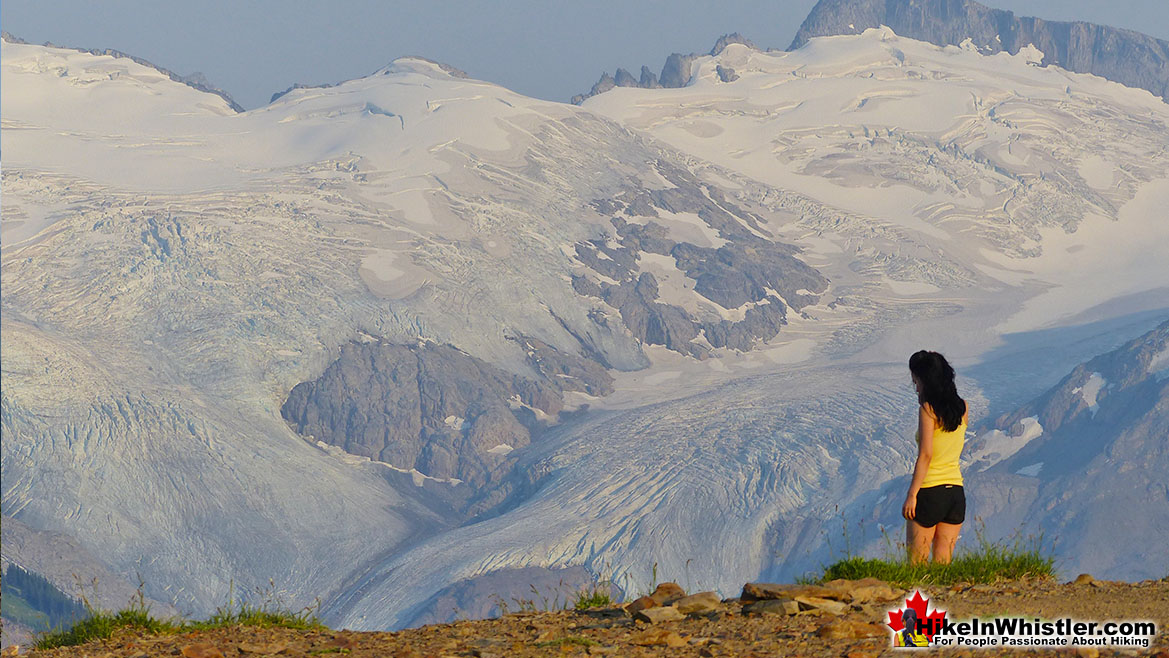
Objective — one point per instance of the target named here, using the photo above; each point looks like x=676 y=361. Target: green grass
x=594 y=598
x=986 y=564
x=101 y=624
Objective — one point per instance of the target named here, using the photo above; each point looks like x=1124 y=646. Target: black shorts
x=945 y=503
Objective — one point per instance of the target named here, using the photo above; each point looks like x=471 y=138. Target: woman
x=935 y=506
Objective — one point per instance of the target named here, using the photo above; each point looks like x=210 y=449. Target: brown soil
x=727 y=632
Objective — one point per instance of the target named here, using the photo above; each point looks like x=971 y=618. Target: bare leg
x=917 y=541
x=944 y=539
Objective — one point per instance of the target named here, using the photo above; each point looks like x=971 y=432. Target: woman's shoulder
x=927 y=409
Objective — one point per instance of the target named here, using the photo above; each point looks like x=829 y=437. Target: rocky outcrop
x=754 y=274
x=675 y=72
x=1124 y=56
x=436 y=409
x=726 y=74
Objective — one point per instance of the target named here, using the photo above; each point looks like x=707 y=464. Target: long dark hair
x=909 y=618
x=937 y=388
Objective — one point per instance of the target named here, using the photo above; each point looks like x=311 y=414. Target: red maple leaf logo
x=930 y=621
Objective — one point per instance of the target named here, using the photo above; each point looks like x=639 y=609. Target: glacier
x=750 y=262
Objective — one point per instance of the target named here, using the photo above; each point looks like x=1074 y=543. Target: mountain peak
x=675 y=72
x=406 y=64
x=1124 y=56
x=196 y=81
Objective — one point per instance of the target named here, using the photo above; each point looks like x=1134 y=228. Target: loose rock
x=667 y=593
x=816 y=603
x=659 y=614
x=762 y=591
x=772 y=607
x=696 y=603
x=659 y=637
x=863 y=590
x=201 y=650
x=846 y=629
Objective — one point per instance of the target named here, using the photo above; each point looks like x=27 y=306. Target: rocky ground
x=842 y=618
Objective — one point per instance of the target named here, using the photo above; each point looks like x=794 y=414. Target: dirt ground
x=726 y=631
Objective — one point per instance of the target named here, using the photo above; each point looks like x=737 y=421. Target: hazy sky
x=545 y=48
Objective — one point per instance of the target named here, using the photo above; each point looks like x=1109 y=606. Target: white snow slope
x=171 y=269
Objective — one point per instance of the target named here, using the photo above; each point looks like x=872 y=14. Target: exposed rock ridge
x=195 y=80
x=675 y=72
x=435 y=409
x=1124 y=56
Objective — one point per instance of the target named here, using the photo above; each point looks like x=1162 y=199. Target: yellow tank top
x=943 y=467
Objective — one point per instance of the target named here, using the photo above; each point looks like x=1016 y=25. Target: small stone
x=659 y=614
x=266 y=649
x=762 y=591
x=696 y=603
x=772 y=607
x=862 y=590
x=667 y=593
x=1084 y=579
x=825 y=605
x=641 y=603
x=607 y=613
x=1087 y=652
x=201 y=650
x=659 y=637
x=846 y=629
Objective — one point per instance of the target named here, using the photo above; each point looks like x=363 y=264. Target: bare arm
x=925 y=451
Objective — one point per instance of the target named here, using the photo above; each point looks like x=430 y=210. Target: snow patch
x=1090 y=390
x=998 y=445
x=1159 y=365
x=1030 y=471
x=1097 y=172
x=1031 y=54
x=501 y=449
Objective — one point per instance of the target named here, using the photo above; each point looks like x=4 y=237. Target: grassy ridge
x=986 y=564
x=101 y=624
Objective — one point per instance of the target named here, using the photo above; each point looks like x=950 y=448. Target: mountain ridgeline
x=1125 y=56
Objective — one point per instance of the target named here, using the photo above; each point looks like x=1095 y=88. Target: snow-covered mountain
x=1125 y=56
x=377 y=340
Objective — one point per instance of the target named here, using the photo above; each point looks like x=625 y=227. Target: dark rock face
x=649 y=79
x=726 y=74
x=624 y=78
x=435 y=408
x=727 y=39
x=1124 y=56
x=1102 y=454
x=675 y=72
